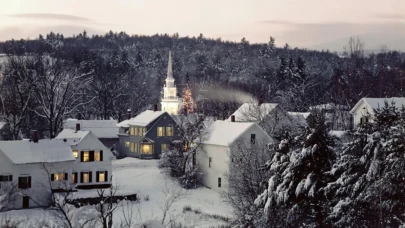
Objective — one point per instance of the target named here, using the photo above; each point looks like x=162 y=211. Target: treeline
x=123 y=71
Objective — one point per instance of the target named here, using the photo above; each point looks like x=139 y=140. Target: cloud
x=52 y=16
x=389 y=16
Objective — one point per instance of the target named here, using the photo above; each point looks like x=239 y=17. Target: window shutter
x=29 y=182
x=11 y=177
x=75 y=177
x=106 y=176
x=19 y=182
x=90 y=177
x=1 y=178
x=52 y=177
x=66 y=176
x=97 y=176
x=81 y=177
x=81 y=156
x=101 y=155
x=91 y=155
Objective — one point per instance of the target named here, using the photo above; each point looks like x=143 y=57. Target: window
x=26 y=202
x=24 y=182
x=86 y=156
x=127 y=144
x=74 y=178
x=253 y=138
x=141 y=131
x=86 y=177
x=5 y=178
x=160 y=131
x=164 y=146
x=97 y=156
x=132 y=131
x=102 y=176
x=169 y=131
x=146 y=149
x=364 y=120
x=59 y=176
x=209 y=161
x=219 y=182
x=75 y=153
x=134 y=147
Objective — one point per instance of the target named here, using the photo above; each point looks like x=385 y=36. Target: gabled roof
x=375 y=103
x=100 y=128
x=224 y=133
x=251 y=112
x=72 y=137
x=47 y=150
x=142 y=119
x=300 y=117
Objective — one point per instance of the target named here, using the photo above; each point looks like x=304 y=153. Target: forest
x=51 y=78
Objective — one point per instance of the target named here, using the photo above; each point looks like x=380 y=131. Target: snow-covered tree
x=295 y=193
x=369 y=189
x=188 y=102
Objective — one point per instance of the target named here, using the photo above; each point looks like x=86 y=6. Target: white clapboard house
x=213 y=154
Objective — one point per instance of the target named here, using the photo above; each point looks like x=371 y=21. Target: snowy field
x=143 y=177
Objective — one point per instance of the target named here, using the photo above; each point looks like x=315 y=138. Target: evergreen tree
x=299 y=176
x=188 y=102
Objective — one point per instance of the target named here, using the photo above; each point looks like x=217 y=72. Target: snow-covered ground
x=143 y=177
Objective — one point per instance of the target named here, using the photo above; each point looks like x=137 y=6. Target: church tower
x=170 y=102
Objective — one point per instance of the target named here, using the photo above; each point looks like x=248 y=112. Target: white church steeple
x=170 y=102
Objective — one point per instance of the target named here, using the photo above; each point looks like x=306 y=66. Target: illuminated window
x=75 y=153
x=132 y=131
x=85 y=156
x=57 y=177
x=169 y=131
x=160 y=131
x=146 y=149
x=97 y=156
x=85 y=178
x=127 y=144
x=74 y=178
x=141 y=131
x=101 y=176
x=164 y=147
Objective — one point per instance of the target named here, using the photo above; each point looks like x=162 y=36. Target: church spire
x=169 y=67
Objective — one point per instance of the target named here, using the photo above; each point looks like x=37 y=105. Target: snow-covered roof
x=329 y=106
x=224 y=133
x=100 y=128
x=375 y=103
x=251 y=112
x=2 y=124
x=72 y=137
x=142 y=119
x=47 y=150
x=300 y=117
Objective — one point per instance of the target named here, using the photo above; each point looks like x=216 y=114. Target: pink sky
x=303 y=23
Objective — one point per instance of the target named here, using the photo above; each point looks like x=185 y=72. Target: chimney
x=155 y=108
x=129 y=114
x=233 y=118
x=77 y=127
x=35 y=136
x=260 y=100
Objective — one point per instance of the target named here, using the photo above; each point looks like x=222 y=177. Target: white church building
x=170 y=102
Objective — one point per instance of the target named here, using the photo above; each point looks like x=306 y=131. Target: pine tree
x=295 y=194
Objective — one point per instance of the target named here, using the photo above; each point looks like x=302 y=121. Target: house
x=270 y=116
x=213 y=154
x=363 y=111
x=337 y=116
x=147 y=134
x=92 y=166
x=105 y=130
x=29 y=169
x=300 y=117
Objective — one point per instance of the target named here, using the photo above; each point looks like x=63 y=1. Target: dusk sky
x=314 y=24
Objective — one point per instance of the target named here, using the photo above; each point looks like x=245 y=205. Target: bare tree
x=57 y=89
x=246 y=177
x=9 y=193
x=171 y=195
x=107 y=205
x=354 y=49
x=17 y=84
